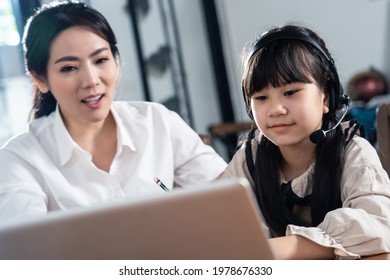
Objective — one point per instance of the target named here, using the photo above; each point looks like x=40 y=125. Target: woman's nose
x=90 y=76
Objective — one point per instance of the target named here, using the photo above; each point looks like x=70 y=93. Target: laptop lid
x=217 y=221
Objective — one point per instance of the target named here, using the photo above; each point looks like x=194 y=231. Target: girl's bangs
x=278 y=65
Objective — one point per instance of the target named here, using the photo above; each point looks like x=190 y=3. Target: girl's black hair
x=279 y=63
x=40 y=31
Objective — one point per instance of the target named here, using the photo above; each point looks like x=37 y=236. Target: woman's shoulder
x=140 y=108
x=15 y=141
x=18 y=148
x=144 y=114
x=26 y=141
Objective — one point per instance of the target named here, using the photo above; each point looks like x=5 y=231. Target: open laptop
x=218 y=221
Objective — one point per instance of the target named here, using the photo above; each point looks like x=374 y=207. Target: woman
x=321 y=188
x=81 y=147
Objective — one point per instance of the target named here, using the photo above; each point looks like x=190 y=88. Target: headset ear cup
x=339 y=97
x=247 y=103
x=344 y=98
x=249 y=112
x=336 y=95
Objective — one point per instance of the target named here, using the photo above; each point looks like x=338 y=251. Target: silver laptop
x=218 y=221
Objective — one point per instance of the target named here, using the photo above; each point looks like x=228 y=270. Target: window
x=8 y=31
x=15 y=90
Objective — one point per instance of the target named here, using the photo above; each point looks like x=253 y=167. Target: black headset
x=337 y=98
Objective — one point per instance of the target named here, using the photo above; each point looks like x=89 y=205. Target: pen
x=161 y=184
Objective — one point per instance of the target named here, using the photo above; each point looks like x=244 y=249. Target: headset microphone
x=319 y=135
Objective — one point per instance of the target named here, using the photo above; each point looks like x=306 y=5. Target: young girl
x=81 y=147
x=321 y=189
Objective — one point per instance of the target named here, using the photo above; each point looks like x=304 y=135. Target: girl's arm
x=299 y=248
x=362 y=225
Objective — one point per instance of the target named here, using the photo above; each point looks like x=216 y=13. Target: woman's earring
x=43 y=89
x=39 y=82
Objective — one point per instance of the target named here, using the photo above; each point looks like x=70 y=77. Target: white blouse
x=43 y=169
x=362 y=226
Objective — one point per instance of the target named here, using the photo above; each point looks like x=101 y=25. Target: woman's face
x=287 y=115
x=82 y=75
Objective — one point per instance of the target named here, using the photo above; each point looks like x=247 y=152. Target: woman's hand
x=299 y=248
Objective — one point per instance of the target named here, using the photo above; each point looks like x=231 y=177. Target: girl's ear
x=325 y=106
x=40 y=82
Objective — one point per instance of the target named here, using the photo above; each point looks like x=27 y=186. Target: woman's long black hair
x=40 y=31
x=278 y=63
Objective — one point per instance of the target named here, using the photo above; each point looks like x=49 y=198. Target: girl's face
x=82 y=75
x=287 y=115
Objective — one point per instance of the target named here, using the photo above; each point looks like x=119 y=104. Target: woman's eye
x=68 y=69
x=101 y=60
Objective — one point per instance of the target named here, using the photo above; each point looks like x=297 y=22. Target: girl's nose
x=276 y=108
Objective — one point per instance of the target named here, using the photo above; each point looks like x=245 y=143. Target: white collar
x=66 y=145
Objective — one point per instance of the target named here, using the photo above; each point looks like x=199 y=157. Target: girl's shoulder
x=361 y=152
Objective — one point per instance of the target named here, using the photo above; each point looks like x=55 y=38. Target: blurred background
x=185 y=54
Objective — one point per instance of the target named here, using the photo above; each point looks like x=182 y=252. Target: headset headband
x=286 y=35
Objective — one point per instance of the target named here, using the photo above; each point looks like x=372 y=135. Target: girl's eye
x=68 y=69
x=290 y=92
x=261 y=97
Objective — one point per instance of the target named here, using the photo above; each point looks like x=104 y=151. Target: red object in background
x=366 y=85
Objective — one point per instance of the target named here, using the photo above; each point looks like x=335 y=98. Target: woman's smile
x=93 y=101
